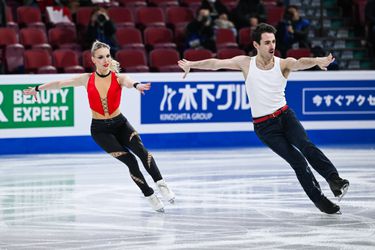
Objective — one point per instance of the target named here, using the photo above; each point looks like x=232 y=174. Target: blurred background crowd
x=54 y=36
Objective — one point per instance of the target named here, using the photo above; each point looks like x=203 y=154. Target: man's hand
x=185 y=66
x=323 y=62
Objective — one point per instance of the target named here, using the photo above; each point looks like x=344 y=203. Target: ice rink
x=237 y=198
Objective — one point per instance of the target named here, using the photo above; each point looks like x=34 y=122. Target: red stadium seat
x=150 y=16
x=66 y=61
x=133 y=3
x=132 y=60
x=226 y=53
x=129 y=38
x=33 y=37
x=87 y=63
x=274 y=14
x=9 y=14
x=298 y=53
x=178 y=15
x=191 y=2
x=63 y=37
x=28 y=14
x=38 y=61
x=197 y=54
x=225 y=39
x=121 y=16
x=244 y=38
x=158 y=37
x=83 y=16
x=7 y=36
x=10 y=19
x=163 y=3
x=164 y=60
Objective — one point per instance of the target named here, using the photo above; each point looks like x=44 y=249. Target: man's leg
x=271 y=134
x=297 y=136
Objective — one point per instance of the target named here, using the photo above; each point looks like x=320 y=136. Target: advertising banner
x=195 y=102
x=51 y=108
x=332 y=100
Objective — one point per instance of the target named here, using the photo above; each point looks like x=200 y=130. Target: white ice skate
x=156 y=203
x=165 y=191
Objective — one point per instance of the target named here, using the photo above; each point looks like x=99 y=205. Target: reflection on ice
x=225 y=199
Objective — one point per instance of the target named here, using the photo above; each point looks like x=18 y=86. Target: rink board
x=203 y=110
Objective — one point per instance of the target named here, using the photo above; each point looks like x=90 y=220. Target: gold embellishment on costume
x=149 y=159
x=118 y=154
x=104 y=102
x=132 y=135
x=136 y=179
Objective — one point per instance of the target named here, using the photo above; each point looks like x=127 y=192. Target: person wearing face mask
x=200 y=31
x=275 y=123
x=216 y=8
x=109 y=128
x=292 y=31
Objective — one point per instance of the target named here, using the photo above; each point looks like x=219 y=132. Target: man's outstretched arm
x=292 y=64
x=212 y=64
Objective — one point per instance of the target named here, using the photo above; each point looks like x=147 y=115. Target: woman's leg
x=132 y=140
x=111 y=145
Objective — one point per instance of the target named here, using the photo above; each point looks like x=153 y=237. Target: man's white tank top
x=265 y=88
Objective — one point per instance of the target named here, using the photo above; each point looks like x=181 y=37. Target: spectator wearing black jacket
x=101 y=28
x=245 y=10
x=200 y=31
x=216 y=8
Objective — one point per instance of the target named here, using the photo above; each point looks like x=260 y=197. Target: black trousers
x=118 y=138
x=286 y=136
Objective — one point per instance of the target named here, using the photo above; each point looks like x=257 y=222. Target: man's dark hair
x=260 y=29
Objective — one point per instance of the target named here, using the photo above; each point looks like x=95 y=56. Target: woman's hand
x=30 y=91
x=142 y=87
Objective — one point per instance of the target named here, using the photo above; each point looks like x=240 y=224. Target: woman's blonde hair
x=115 y=65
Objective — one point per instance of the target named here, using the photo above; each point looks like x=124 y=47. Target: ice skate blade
x=343 y=191
x=161 y=210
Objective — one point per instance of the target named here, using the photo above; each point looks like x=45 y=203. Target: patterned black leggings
x=117 y=137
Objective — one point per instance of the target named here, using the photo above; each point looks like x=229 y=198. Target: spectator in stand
x=292 y=31
x=200 y=31
x=3 y=18
x=245 y=10
x=370 y=23
x=101 y=28
x=222 y=22
x=215 y=7
x=253 y=21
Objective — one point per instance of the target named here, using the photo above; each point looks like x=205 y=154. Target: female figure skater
x=109 y=128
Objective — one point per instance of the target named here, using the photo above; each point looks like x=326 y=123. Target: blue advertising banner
x=216 y=101
x=192 y=102
x=332 y=100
